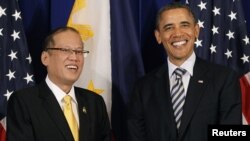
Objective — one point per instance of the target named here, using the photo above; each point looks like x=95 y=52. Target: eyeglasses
x=68 y=51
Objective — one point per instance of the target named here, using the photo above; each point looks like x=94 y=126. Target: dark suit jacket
x=213 y=97
x=34 y=114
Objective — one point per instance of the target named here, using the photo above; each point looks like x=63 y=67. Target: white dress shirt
x=188 y=65
x=59 y=94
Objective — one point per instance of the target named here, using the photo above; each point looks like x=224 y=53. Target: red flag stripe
x=245 y=88
x=2 y=133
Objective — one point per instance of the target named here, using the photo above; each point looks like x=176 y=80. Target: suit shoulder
x=89 y=98
x=26 y=96
x=87 y=93
x=26 y=92
x=217 y=68
x=151 y=76
x=214 y=66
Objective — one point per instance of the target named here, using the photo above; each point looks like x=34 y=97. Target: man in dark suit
x=178 y=101
x=37 y=113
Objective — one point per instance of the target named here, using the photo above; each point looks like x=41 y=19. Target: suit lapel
x=54 y=111
x=162 y=85
x=83 y=116
x=195 y=92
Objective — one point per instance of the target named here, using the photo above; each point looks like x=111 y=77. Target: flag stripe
x=226 y=45
x=245 y=89
x=2 y=132
x=16 y=71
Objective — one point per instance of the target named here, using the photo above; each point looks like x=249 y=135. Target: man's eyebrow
x=167 y=25
x=185 y=22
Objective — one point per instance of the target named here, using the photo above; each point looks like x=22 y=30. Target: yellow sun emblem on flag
x=91 y=87
x=86 y=31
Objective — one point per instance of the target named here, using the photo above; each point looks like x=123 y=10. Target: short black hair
x=49 y=39
x=173 y=5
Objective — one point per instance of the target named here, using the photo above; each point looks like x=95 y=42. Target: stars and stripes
x=15 y=60
x=223 y=36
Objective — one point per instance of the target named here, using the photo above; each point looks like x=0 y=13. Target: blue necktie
x=178 y=96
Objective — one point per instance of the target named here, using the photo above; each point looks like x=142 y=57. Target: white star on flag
x=230 y=35
x=215 y=30
x=1 y=31
x=13 y=55
x=216 y=11
x=228 y=53
x=15 y=35
x=29 y=59
x=232 y=16
x=2 y=11
x=8 y=94
x=17 y=15
x=202 y=5
x=245 y=58
x=201 y=24
x=28 y=78
x=198 y=43
x=11 y=74
x=213 y=49
x=246 y=40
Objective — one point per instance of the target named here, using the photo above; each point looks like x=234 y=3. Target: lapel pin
x=84 y=110
x=200 y=81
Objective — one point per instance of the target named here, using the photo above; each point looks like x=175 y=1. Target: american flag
x=224 y=40
x=15 y=60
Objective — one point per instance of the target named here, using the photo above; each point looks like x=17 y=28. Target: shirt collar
x=58 y=92
x=188 y=65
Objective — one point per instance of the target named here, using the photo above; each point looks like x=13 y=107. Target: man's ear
x=157 y=36
x=197 y=31
x=45 y=58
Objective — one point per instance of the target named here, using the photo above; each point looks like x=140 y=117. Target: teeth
x=71 y=67
x=179 y=43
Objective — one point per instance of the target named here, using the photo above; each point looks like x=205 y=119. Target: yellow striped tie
x=68 y=112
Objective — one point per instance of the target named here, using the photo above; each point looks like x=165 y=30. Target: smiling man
x=55 y=110
x=178 y=101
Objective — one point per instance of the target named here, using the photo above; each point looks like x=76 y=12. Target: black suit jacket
x=213 y=97
x=33 y=114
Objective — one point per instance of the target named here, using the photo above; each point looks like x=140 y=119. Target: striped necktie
x=178 y=96
x=69 y=115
